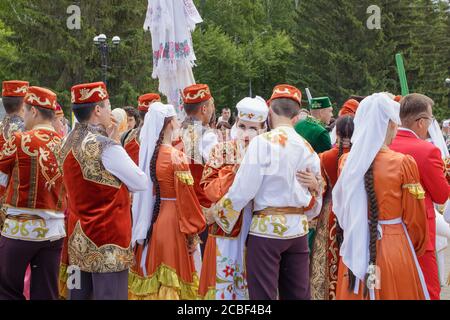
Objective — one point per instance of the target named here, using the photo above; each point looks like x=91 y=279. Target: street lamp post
x=101 y=43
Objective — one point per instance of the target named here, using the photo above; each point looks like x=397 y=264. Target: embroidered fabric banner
x=171 y=23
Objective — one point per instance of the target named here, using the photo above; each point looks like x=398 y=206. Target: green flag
x=402 y=74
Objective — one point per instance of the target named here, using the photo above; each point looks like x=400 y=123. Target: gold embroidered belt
x=279 y=223
x=24 y=217
x=33 y=228
x=278 y=211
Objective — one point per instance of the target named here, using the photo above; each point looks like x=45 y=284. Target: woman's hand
x=192 y=243
x=209 y=216
x=308 y=180
x=113 y=130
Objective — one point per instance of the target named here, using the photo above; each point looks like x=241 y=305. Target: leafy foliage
x=243 y=47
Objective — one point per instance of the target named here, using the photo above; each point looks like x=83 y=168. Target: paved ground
x=445 y=293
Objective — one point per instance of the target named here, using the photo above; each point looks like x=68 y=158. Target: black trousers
x=44 y=258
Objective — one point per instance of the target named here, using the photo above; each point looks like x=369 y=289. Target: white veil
x=144 y=201
x=437 y=138
x=349 y=195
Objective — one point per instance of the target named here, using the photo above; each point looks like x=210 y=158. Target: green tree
x=242 y=46
x=419 y=29
x=8 y=52
x=219 y=61
x=51 y=55
x=336 y=54
x=258 y=32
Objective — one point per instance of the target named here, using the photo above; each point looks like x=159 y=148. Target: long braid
x=351 y=280
x=340 y=151
x=373 y=228
x=373 y=219
x=154 y=178
x=344 y=132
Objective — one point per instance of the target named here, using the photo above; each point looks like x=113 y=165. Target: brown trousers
x=278 y=269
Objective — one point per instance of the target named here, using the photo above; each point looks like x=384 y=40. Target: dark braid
x=154 y=178
x=373 y=228
x=351 y=281
x=341 y=151
x=344 y=130
x=373 y=218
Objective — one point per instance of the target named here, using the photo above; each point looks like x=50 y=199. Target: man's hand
x=113 y=130
x=308 y=180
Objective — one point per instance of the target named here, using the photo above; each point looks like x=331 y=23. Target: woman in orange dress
x=379 y=203
x=166 y=239
x=325 y=248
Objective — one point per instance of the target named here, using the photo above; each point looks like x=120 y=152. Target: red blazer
x=432 y=174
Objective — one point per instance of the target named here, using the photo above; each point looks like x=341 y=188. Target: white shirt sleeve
x=245 y=186
x=118 y=163
x=209 y=141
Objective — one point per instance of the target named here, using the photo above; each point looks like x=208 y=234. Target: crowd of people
x=275 y=200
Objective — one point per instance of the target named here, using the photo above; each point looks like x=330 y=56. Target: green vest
x=314 y=132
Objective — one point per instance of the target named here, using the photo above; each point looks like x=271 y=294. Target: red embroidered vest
x=99 y=226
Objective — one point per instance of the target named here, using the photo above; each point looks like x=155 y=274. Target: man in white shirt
x=98 y=176
x=277 y=249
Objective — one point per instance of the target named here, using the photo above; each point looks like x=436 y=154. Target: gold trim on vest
x=85 y=254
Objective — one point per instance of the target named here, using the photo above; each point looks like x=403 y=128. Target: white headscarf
x=144 y=201
x=349 y=194
x=437 y=138
x=253 y=109
x=256 y=106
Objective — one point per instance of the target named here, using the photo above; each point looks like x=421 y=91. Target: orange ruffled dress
x=399 y=195
x=171 y=273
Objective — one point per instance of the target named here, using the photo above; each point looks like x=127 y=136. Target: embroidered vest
x=99 y=226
